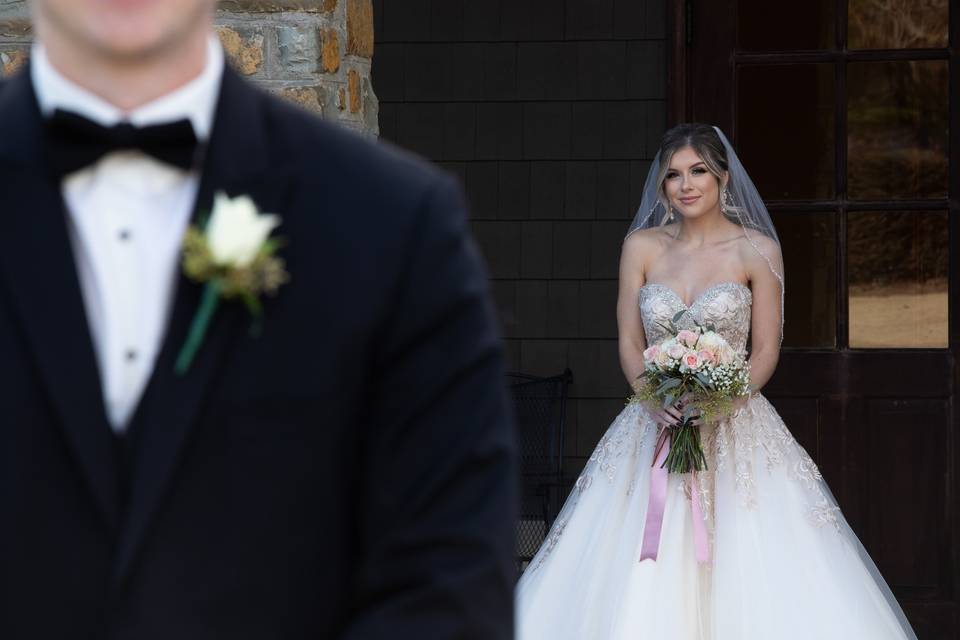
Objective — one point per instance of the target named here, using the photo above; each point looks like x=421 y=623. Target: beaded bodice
x=725 y=305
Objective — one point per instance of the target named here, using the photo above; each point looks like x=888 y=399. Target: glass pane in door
x=809 y=244
x=785 y=26
x=785 y=122
x=897 y=24
x=898 y=129
x=897 y=278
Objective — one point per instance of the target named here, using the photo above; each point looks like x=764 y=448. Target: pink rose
x=650 y=353
x=676 y=351
x=707 y=356
x=692 y=361
x=687 y=337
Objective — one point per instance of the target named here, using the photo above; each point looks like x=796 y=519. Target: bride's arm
x=766 y=310
x=631 y=339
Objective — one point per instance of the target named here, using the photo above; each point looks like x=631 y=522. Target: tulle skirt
x=784 y=564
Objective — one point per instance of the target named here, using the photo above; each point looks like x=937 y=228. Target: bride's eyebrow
x=693 y=166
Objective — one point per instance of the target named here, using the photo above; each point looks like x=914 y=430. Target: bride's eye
x=672 y=174
x=699 y=170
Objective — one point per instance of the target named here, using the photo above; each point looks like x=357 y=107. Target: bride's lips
x=689 y=200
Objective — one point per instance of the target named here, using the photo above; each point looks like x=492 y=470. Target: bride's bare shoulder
x=644 y=241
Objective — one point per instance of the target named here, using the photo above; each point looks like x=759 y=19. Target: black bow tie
x=74 y=142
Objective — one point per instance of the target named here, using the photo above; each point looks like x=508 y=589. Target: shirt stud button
x=124 y=235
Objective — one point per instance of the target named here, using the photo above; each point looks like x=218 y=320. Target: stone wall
x=316 y=53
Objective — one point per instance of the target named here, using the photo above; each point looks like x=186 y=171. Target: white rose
x=237 y=231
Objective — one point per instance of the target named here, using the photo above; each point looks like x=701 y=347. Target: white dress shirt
x=127 y=214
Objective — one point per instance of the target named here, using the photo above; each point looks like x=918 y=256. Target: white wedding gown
x=785 y=563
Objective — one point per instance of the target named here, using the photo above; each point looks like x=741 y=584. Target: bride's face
x=690 y=187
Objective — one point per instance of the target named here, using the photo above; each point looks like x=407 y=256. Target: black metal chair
x=540 y=406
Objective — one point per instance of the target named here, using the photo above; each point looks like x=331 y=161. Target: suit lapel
x=238 y=162
x=38 y=269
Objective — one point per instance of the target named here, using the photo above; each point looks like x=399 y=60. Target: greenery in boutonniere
x=235 y=257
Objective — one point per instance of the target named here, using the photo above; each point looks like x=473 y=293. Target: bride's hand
x=682 y=404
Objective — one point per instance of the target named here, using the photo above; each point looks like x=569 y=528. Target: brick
x=459 y=131
x=297 y=49
x=386 y=72
x=360 y=28
x=330 y=50
x=569 y=434
x=417 y=129
x=596 y=363
x=481 y=20
x=656 y=125
x=505 y=297
x=446 y=20
x=646 y=70
x=546 y=130
x=353 y=84
x=244 y=48
x=468 y=61
x=310 y=98
x=536 y=243
x=638 y=177
x=12 y=60
x=483 y=179
x=595 y=415
x=613 y=190
x=547 y=197
x=546 y=71
x=587 y=131
x=543 y=357
x=571 y=249
x=257 y=6
x=500 y=244
x=625 y=130
x=407 y=21
x=514 y=196
x=656 y=21
x=601 y=67
x=598 y=309
x=15 y=29
x=370 y=107
x=589 y=19
x=629 y=18
x=428 y=72
x=388 y=121
x=341 y=99
x=563 y=309
x=531 y=20
x=511 y=355
x=606 y=239
x=581 y=190
x=500 y=72
x=532 y=308
x=499 y=131
x=378 y=21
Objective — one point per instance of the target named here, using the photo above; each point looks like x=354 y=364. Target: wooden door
x=845 y=112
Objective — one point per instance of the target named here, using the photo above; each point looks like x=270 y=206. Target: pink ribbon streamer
x=657 y=503
x=657 y=500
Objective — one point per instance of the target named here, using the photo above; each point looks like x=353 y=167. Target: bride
x=781 y=561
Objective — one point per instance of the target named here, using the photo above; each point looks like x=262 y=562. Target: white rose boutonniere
x=234 y=255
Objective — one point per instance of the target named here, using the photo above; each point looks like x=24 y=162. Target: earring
x=670 y=213
x=725 y=200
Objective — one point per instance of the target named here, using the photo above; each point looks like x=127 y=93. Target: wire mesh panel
x=539 y=404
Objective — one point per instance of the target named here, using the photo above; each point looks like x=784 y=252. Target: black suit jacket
x=348 y=474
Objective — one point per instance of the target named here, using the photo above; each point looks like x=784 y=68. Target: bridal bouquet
x=699 y=366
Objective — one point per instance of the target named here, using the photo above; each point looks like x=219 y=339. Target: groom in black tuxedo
x=347 y=473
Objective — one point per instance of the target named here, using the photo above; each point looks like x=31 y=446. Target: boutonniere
x=233 y=255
